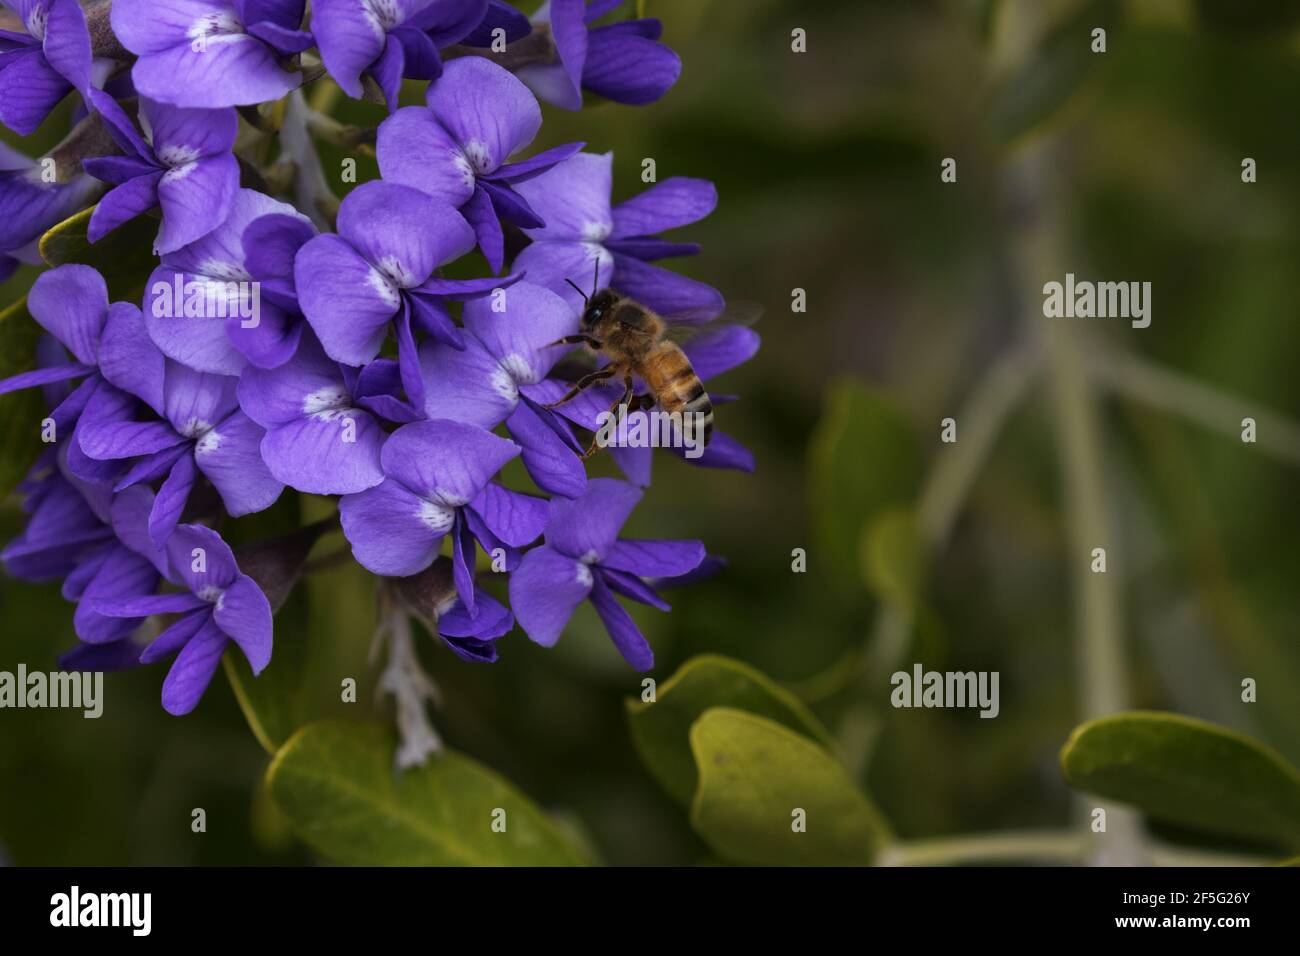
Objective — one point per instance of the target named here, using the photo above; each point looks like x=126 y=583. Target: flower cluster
x=365 y=351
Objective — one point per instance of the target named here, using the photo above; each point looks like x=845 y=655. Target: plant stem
x=1041 y=846
x=1221 y=411
x=946 y=489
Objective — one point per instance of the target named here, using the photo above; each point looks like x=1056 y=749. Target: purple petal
x=310 y=454
x=723 y=451
x=544 y=591
x=463 y=557
x=129 y=359
x=29 y=89
x=550 y=462
x=186 y=135
x=465 y=386
x=229 y=455
x=671 y=295
x=113 y=440
x=514 y=518
x=587 y=527
x=67 y=42
x=622 y=629
x=549 y=264
x=392 y=531
x=151 y=26
x=521 y=334
x=71 y=303
x=121 y=127
x=175 y=636
x=271 y=243
x=283 y=40
x=527 y=169
x=244 y=614
x=169 y=505
x=271 y=340
x=486 y=109
x=122 y=204
x=130 y=518
x=197 y=341
x=444 y=460
x=195 y=401
x=347 y=301
x=196 y=198
x=388 y=69
x=719 y=350
x=200 y=559
x=561 y=83
x=509 y=205
x=310 y=382
x=46 y=376
x=402 y=231
x=192 y=670
x=152 y=467
x=145 y=605
x=419 y=54
x=573 y=198
x=628 y=69
x=232 y=69
x=114 y=656
x=675 y=202
x=482 y=216
x=630 y=586
x=415 y=150
x=654 y=559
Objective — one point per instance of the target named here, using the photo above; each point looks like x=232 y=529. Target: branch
x=1213 y=408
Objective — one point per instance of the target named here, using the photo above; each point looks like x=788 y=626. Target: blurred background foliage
x=827 y=164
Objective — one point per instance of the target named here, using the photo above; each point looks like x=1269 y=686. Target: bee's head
x=599 y=306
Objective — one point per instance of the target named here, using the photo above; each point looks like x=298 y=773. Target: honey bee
x=632 y=339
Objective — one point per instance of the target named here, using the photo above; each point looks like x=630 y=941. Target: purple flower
x=620 y=61
x=183 y=163
x=582 y=231
x=212 y=53
x=439 y=482
x=479 y=115
x=583 y=558
x=389 y=39
x=39 y=67
x=317 y=438
x=204 y=307
x=380 y=269
x=219 y=605
x=499 y=374
x=712 y=352
x=200 y=431
x=29 y=206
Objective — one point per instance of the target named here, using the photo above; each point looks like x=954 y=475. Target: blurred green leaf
x=20 y=412
x=661 y=729
x=337 y=784
x=863 y=460
x=755 y=775
x=124 y=257
x=1248 y=18
x=1037 y=89
x=891 y=556
x=1188 y=772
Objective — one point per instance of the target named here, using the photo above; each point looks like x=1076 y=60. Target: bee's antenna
x=595 y=279
x=585 y=300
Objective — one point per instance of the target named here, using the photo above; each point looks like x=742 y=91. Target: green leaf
x=272 y=702
x=661 y=730
x=335 y=782
x=124 y=257
x=21 y=413
x=892 y=557
x=1052 y=74
x=1188 y=772
x=863 y=460
x=756 y=774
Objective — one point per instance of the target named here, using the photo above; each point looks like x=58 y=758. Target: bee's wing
x=684 y=329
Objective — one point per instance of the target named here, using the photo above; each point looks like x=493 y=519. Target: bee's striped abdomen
x=678 y=389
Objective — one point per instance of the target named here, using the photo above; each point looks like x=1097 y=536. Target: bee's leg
x=578 y=339
x=585 y=382
x=624 y=400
